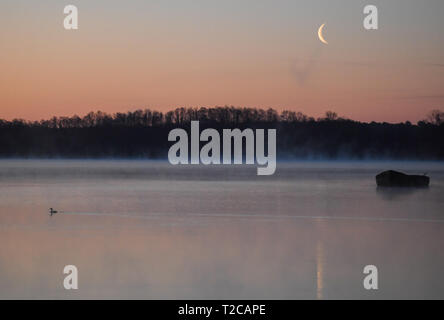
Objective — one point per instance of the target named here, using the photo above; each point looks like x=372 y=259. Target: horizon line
x=279 y=113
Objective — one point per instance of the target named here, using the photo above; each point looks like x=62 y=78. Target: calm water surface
x=139 y=229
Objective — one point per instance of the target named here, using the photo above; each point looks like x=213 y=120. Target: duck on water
x=393 y=178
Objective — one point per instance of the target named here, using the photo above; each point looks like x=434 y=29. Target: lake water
x=140 y=229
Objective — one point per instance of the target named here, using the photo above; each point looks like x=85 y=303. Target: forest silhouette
x=144 y=134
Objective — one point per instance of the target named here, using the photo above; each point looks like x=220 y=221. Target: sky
x=163 y=54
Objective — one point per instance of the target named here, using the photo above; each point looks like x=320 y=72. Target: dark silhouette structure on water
x=393 y=178
x=143 y=134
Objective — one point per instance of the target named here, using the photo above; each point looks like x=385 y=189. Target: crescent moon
x=321 y=37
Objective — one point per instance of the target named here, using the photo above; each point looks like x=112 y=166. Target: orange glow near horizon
x=122 y=60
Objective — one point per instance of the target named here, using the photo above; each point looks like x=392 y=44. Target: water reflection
x=319 y=225
x=153 y=236
x=395 y=193
x=319 y=270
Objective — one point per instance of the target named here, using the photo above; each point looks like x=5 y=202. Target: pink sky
x=161 y=58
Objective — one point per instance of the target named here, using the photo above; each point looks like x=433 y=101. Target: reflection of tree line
x=143 y=133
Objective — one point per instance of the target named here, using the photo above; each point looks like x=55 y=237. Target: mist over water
x=141 y=229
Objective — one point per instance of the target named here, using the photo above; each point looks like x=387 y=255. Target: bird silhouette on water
x=52 y=212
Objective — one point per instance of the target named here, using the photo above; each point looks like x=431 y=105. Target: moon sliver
x=320 y=35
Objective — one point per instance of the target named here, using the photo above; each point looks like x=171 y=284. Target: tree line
x=143 y=134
